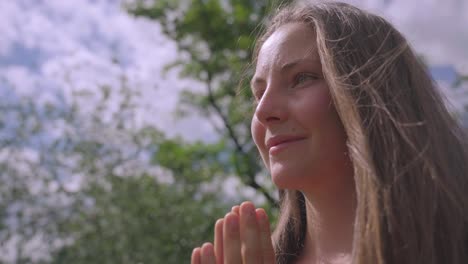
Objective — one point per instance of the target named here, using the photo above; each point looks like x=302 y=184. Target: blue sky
x=50 y=49
x=57 y=47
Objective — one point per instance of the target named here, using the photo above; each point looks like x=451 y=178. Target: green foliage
x=46 y=146
x=218 y=37
x=138 y=220
x=192 y=164
x=460 y=79
x=137 y=215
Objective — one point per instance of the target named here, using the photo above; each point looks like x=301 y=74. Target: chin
x=284 y=180
x=278 y=181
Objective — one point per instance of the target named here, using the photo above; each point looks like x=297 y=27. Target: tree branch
x=239 y=148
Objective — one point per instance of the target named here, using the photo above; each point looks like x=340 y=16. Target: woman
x=370 y=165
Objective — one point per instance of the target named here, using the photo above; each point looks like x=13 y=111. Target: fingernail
x=248 y=209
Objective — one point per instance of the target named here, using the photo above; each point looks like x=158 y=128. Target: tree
x=116 y=212
x=140 y=221
x=49 y=150
x=461 y=78
x=215 y=39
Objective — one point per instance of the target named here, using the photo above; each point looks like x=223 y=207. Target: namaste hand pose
x=242 y=236
x=370 y=166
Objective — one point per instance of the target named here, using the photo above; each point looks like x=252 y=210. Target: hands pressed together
x=242 y=237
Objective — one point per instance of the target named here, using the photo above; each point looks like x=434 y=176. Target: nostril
x=272 y=118
x=270 y=111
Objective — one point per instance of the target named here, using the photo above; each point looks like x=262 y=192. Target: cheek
x=319 y=117
x=323 y=101
x=313 y=107
x=258 y=134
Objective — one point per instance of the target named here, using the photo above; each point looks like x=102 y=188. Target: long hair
x=409 y=154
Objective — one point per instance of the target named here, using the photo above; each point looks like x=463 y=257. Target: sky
x=51 y=49
x=57 y=47
x=60 y=47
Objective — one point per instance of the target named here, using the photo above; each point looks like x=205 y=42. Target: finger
x=196 y=256
x=207 y=254
x=231 y=239
x=249 y=234
x=235 y=209
x=218 y=241
x=268 y=253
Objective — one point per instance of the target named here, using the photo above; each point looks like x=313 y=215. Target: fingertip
x=219 y=230
x=207 y=249
x=219 y=222
x=262 y=219
x=247 y=203
x=247 y=207
x=232 y=222
x=231 y=239
x=235 y=209
x=247 y=213
x=230 y=217
x=196 y=255
x=218 y=241
x=265 y=236
x=196 y=251
x=208 y=254
x=219 y=227
x=261 y=214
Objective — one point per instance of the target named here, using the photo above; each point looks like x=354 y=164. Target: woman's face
x=295 y=126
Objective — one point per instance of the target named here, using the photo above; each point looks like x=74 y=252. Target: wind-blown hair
x=409 y=154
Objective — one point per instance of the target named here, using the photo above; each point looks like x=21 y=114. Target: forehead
x=290 y=42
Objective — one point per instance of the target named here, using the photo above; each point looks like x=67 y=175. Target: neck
x=330 y=224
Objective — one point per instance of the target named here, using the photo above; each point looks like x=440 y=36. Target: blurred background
x=122 y=138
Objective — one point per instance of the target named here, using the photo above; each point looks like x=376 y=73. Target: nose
x=271 y=108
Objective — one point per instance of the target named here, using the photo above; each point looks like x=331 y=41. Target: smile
x=277 y=144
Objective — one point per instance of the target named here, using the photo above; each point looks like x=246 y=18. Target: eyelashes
x=303 y=78
x=300 y=79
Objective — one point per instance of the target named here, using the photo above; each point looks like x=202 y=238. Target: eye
x=257 y=94
x=304 y=77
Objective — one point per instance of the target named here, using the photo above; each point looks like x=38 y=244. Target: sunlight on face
x=295 y=126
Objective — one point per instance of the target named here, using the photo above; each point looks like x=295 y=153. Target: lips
x=282 y=139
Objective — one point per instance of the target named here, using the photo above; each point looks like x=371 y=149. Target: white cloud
x=61 y=46
x=436 y=29
x=58 y=46
x=53 y=44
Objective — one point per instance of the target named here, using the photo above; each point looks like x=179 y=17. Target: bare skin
x=242 y=236
x=303 y=145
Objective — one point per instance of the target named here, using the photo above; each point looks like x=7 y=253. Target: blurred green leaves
x=138 y=220
x=215 y=39
x=126 y=210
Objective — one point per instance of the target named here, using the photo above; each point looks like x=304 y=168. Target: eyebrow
x=283 y=68
x=289 y=65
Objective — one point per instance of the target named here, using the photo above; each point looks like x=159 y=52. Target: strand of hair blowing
x=409 y=155
x=411 y=185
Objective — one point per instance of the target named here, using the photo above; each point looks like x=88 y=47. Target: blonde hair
x=409 y=154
